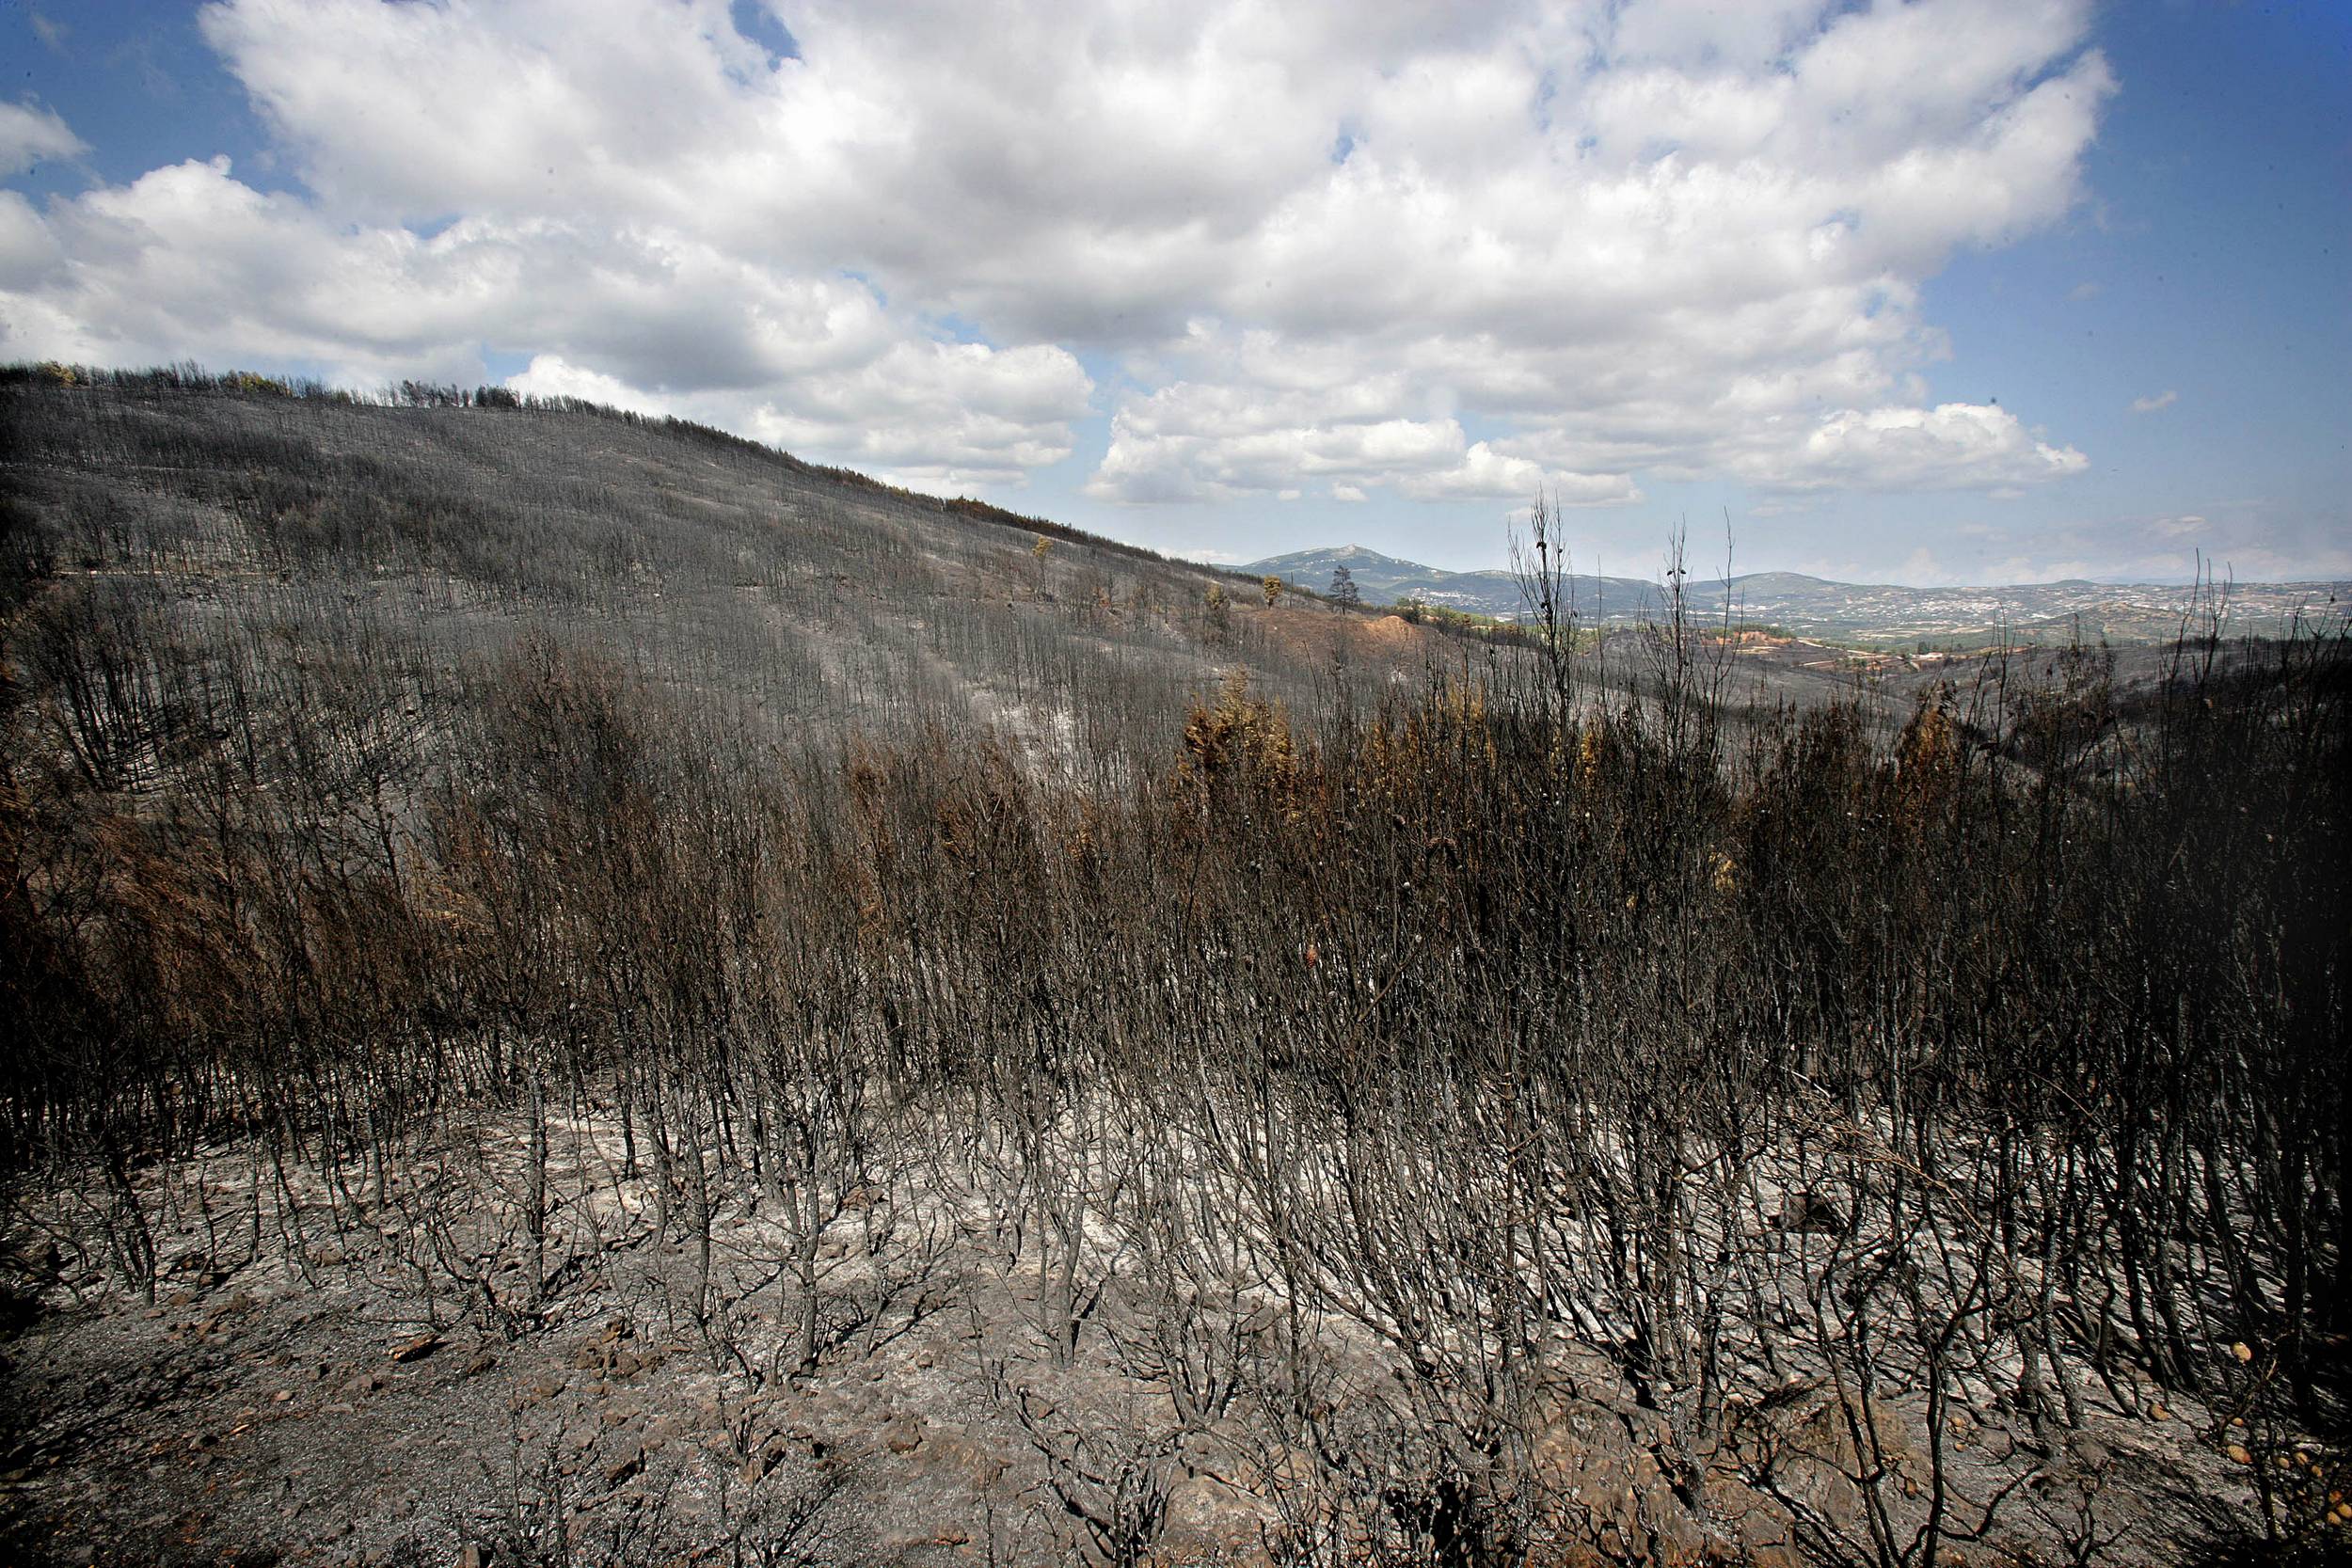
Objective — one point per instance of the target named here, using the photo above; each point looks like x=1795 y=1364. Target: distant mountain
x=1386 y=579
x=1383 y=579
x=1875 y=615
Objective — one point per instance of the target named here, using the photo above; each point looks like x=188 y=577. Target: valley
x=1879 y=617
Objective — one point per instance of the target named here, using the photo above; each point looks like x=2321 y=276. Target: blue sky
x=1928 y=292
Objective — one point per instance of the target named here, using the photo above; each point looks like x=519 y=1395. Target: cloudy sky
x=1928 y=292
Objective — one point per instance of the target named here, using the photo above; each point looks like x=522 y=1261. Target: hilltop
x=443 y=530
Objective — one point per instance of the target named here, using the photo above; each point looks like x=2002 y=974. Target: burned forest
x=585 y=991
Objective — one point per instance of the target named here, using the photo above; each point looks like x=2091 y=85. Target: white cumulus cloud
x=1953 y=446
x=29 y=134
x=1443 y=254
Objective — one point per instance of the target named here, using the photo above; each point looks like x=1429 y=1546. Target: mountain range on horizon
x=1818 y=606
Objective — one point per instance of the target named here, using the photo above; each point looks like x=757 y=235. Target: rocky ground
x=339 y=1404
x=250 y=1418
